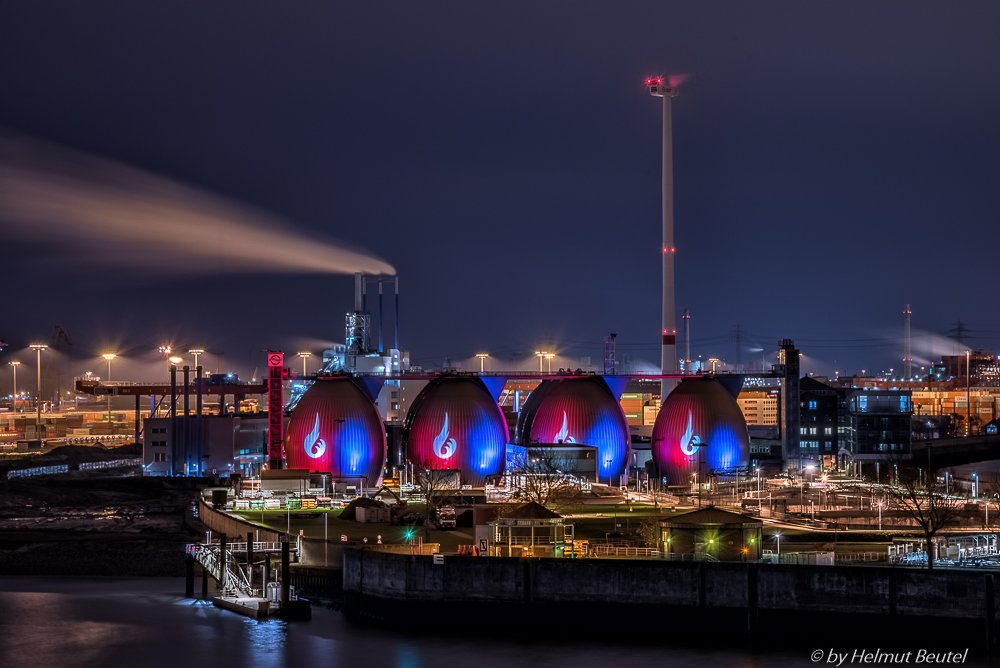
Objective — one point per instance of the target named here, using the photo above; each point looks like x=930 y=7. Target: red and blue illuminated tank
x=699 y=427
x=336 y=428
x=455 y=423
x=581 y=411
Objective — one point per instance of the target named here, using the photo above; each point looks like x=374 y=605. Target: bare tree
x=921 y=494
x=649 y=529
x=432 y=482
x=539 y=475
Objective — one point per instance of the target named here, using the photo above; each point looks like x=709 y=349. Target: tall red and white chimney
x=668 y=350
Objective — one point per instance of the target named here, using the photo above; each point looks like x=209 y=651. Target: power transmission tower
x=959 y=332
x=609 y=355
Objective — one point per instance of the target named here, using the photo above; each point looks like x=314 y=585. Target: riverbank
x=103 y=526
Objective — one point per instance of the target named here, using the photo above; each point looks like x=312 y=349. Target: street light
x=38 y=348
x=14 y=365
x=713 y=361
x=109 y=357
x=777 y=537
x=196 y=352
x=801 y=492
x=880 y=516
x=304 y=356
x=482 y=361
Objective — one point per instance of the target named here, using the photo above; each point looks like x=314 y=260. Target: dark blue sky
x=833 y=162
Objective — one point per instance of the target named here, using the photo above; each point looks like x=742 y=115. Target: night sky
x=833 y=162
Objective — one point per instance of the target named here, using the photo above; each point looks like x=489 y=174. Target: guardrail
x=235 y=580
x=612 y=551
x=848 y=557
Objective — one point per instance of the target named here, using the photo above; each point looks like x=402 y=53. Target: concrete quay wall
x=369 y=574
x=236 y=530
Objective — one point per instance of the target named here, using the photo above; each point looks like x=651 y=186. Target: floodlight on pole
x=968 y=394
x=713 y=361
x=196 y=352
x=109 y=357
x=166 y=350
x=38 y=348
x=14 y=366
x=549 y=357
x=304 y=355
x=482 y=361
x=541 y=357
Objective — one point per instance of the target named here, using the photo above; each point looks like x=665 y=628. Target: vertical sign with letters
x=275 y=415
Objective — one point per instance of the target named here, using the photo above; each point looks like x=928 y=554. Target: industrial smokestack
x=395 y=321
x=173 y=419
x=199 y=424
x=381 y=317
x=187 y=420
x=907 y=343
x=358 y=292
x=687 y=339
x=668 y=351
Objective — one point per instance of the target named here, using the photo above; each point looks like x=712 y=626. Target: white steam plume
x=119 y=215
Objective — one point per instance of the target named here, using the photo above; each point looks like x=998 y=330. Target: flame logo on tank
x=689 y=442
x=562 y=436
x=444 y=447
x=314 y=445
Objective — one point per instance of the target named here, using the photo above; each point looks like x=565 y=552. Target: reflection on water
x=88 y=622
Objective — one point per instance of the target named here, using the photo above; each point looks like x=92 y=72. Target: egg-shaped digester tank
x=580 y=411
x=699 y=427
x=455 y=423
x=336 y=428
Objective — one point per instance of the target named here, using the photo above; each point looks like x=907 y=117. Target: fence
x=111 y=464
x=41 y=470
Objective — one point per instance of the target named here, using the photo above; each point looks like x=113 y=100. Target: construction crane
x=60 y=339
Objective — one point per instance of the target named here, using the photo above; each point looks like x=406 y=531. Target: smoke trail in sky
x=122 y=216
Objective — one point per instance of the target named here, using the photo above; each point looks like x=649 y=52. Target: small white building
x=532 y=530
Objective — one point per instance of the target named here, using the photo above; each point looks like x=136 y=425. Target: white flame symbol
x=444 y=447
x=689 y=442
x=562 y=436
x=314 y=445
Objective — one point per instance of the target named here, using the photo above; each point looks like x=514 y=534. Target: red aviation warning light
x=658 y=89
